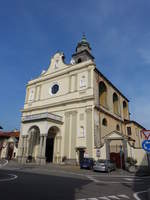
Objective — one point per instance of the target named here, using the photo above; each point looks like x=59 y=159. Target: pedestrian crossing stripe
x=111 y=197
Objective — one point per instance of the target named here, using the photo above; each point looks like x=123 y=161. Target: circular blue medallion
x=54 y=89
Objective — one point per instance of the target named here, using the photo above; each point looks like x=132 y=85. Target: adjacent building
x=9 y=144
x=73 y=110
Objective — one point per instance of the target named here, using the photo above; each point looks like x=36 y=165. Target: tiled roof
x=9 y=134
x=134 y=122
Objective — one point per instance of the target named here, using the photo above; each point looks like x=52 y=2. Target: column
x=73 y=135
x=43 y=161
x=67 y=134
x=27 y=151
x=55 y=150
x=24 y=149
x=125 y=150
x=89 y=132
x=59 y=149
x=39 y=150
x=23 y=146
x=20 y=149
x=107 y=142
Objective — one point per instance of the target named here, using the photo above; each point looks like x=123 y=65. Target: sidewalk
x=50 y=167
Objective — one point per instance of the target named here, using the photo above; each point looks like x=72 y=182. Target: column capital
x=24 y=136
x=88 y=109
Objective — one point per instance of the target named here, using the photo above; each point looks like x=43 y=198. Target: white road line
x=93 y=179
x=136 y=194
x=133 y=179
x=120 y=176
x=128 y=181
x=123 y=196
x=113 y=197
x=12 y=177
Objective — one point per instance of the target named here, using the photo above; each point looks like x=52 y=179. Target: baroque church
x=73 y=111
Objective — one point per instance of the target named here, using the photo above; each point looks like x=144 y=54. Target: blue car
x=87 y=163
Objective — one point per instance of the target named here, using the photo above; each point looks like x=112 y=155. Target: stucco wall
x=138 y=154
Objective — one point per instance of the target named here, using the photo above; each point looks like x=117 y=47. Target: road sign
x=98 y=152
x=146 y=134
x=146 y=145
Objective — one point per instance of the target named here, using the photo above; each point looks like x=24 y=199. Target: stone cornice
x=66 y=70
x=109 y=114
x=48 y=116
x=91 y=97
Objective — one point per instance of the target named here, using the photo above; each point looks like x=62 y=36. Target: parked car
x=87 y=163
x=104 y=165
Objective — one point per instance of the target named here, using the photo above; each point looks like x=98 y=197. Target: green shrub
x=131 y=161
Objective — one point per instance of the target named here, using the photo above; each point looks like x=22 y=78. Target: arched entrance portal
x=117 y=153
x=50 y=144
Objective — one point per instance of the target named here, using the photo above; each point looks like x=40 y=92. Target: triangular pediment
x=115 y=135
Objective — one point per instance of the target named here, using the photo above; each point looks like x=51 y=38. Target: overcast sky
x=31 y=31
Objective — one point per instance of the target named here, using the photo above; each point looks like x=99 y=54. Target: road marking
x=127 y=180
x=93 y=179
x=6 y=162
x=12 y=177
x=123 y=196
x=104 y=198
x=111 y=197
x=136 y=194
x=120 y=176
x=133 y=179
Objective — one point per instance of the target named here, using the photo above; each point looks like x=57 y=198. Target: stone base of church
x=43 y=161
x=70 y=161
x=19 y=159
x=24 y=160
x=38 y=160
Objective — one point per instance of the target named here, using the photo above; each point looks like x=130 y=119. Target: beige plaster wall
x=136 y=135
x=138 y=154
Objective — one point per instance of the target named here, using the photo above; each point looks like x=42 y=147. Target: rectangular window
x=129 y=131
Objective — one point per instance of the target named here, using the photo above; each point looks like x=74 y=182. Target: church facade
x=73 y=111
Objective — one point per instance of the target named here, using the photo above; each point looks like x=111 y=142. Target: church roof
x=9 y=134
x=134 y=122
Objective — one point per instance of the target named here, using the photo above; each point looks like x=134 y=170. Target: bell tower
x=83 y=51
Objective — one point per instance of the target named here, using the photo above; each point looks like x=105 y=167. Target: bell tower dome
x=83 y=51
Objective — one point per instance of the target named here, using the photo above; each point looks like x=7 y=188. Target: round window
x=54 y=89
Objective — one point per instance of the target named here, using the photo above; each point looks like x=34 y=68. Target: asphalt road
x=17 y=185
